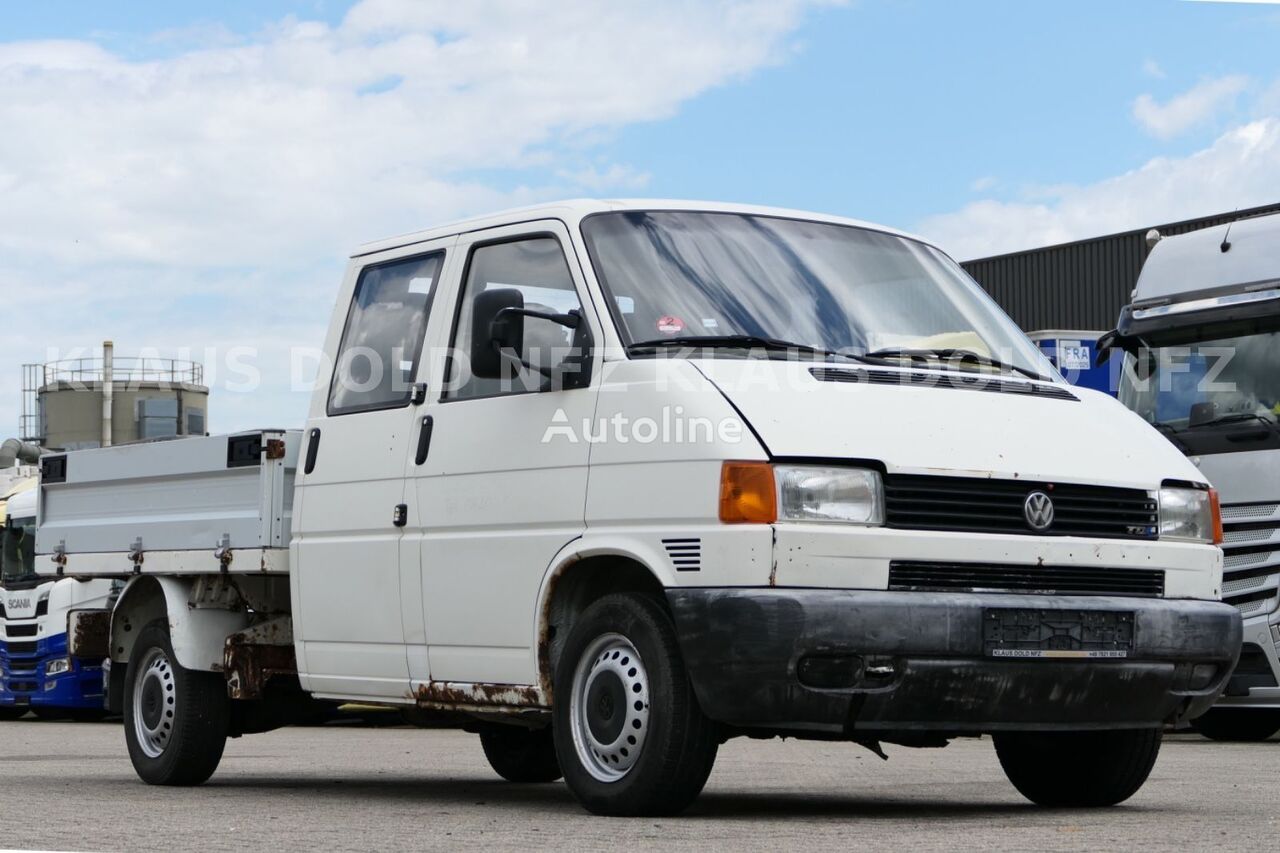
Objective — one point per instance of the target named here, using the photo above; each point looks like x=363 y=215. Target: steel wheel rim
x=155 y=702
x=609 y=662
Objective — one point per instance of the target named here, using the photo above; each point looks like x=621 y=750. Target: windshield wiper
x=1232 y=418
x=736 y=342
x=944 y=353
x=1171 y=432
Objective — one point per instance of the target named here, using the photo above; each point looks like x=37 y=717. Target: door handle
x=313 y=447
x=424 y=441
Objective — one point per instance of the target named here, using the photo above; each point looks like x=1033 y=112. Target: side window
x=382 y=342
x=536 y=267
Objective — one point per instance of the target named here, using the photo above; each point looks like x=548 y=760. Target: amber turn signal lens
x=747 y=493
x=1216 y=509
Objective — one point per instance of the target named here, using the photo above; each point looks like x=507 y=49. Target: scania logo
x=18 y=603
x=1038 y=509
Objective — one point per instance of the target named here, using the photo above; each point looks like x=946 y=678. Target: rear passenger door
x=497 y=497
x=349 y=518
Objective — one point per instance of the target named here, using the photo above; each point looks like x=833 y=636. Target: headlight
x=829 y=494
x=57 y=666
x=1190 y=515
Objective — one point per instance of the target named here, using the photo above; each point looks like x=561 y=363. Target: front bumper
x=1256 y=680
x=23 y=681
x=921 y=664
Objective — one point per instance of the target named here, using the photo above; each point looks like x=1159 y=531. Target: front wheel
x=1078 y=769
x=175 y=719
x=521 y=755
x=630 y=735
x=1239 y=725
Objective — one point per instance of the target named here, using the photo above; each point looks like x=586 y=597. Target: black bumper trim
x=742 y=647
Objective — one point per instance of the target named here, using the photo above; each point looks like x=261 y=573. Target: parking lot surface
x=70 y=786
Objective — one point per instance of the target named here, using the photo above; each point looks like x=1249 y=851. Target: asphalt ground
x=70 y=786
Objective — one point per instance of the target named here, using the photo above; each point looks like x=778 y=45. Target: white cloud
x=1240 y=169
x=595 y=180
x=986 y=182
x=135 y=190
x=1152 y=69
x=1193 y=107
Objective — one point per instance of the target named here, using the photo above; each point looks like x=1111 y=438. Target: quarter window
x=382 y=342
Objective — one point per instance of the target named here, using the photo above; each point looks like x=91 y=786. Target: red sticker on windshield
x=669 y=325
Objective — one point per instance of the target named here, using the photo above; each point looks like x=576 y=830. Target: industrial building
x=1079 y=285
x=97 y=402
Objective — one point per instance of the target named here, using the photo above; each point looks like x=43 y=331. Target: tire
x=628 y=730
x=175 y=719
x=1078 y=769
x=521 y=755
x=1238 y=725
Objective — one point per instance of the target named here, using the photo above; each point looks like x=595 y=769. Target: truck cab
x=611 y=482
x=1201 y=344
x=36 y=673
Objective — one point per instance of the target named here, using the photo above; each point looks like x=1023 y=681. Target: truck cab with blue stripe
x=36 y=673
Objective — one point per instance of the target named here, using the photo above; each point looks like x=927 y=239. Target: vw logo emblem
x=1038 y=509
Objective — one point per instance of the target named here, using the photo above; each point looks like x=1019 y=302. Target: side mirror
x=497 y=340
x=494 y=328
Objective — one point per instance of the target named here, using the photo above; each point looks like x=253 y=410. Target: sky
x=187 y=179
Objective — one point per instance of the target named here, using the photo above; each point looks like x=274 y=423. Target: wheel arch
x=579 y=576
x=198 y=634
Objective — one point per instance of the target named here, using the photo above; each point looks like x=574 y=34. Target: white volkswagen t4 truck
x=609 y=483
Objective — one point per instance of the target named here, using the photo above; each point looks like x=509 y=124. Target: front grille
x=979 y=505
x=1251 y=557
x=22 y=648
x=954 y=381
x=22 y=686
x=1052 y=580
x=14 y=630
x=1248 y=510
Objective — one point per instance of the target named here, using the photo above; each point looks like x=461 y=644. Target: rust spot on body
x=91 y=634
x=465 y=695
x=252 y=658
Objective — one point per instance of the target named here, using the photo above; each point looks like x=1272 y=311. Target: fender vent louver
x=686 y=554
x=961 y=382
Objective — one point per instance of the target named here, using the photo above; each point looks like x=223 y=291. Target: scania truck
x=36 y=674
x=608 y=483
x=1202 y=365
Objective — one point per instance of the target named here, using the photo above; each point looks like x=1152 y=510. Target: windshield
x=18 y=555
x=1203 y=383
x=831 y=288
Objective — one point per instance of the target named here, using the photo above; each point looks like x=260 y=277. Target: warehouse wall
x=1080 y=285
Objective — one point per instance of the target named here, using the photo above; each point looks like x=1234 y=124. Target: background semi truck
x=36 y=673
x=1202 y=337
x=611 y=482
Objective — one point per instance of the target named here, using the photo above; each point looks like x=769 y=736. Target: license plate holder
x=1057 y=634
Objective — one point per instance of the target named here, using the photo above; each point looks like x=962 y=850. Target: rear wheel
x=175 y=719
x=630 y=735
x=521 y=755
x=1242 y=725
x=1078 y=769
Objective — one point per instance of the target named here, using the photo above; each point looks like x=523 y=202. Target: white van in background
x=1203 y=366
